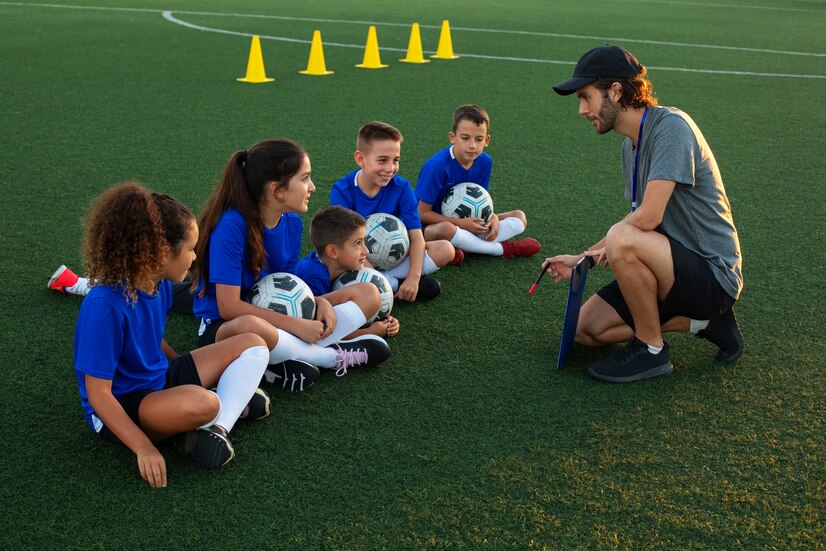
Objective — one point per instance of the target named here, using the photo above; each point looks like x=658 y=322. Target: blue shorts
x=181 y=371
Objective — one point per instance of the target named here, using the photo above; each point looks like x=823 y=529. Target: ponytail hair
x=125 y=243
x=246 y=176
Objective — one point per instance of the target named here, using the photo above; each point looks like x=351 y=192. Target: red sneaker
x=458 y=258
x=520 y=247
x=63 y=277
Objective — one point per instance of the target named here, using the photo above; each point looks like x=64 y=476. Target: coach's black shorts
x=181 y=371
x=696 y=294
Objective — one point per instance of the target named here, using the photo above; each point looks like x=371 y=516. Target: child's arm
x=474 y=225
x=150 y=461
x=231 y=306
x=410 y=288
x=167 y=350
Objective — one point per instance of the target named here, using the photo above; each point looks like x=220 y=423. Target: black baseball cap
x=601 y=62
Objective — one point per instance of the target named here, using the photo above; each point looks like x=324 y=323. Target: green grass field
x=468 y=437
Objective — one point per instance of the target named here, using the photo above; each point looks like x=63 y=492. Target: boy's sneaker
x=429 y=288
x=258 y=406
x=210 y=447
x=520 y=247
x=632 y=363
x=292 y=375
x=364 y=351
x=725 y=333
x=458 y=257
x=63 y=277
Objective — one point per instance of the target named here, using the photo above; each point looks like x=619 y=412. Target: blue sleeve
x=296 y=231
x=310 y=272
x=226 y=250
x=99 y=338
x=165 y=291
x=431 y=180
x=409 y=207
x=338 y=197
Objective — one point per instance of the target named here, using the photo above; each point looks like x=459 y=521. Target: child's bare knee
x=441 y=252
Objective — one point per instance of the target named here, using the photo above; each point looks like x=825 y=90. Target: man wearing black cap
x=676 y=256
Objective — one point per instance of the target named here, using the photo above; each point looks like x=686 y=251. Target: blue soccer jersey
x=314 y=273
x=395 y=198
x=228 y=257
x=442 y=171
x=120 y=341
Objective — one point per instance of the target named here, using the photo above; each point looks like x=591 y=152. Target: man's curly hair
x=127 y=237
x=637 y=91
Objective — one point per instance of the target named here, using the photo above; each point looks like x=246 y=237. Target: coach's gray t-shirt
x=698 y=214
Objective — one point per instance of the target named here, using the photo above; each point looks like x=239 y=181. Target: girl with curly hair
x=250 y=227
x=134 y=388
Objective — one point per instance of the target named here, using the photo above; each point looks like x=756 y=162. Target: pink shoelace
x=348 y=358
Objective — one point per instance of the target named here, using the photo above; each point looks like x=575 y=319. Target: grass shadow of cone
x=445 y=49
x=255 y=65
x=414 y=47
x=371 y=52
x=316 y=65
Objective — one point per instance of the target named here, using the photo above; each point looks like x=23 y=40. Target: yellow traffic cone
x=316 y=66
x=445 y=49
x=255 y=65
x=371 y=52
x=414 y=47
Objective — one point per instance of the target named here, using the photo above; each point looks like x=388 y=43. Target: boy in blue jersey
x=376 y=187
x=466 y=161
x=337 y=235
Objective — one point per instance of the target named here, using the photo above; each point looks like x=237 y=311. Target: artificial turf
x=468 y=437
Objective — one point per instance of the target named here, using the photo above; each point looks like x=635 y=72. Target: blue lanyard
x=637 y=162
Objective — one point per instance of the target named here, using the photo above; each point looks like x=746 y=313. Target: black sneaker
x=364 y=351
x=429 y=288
x=725 y=333
x=632 y=363
x=258 y=406
x=291 y=375
x=210 y=447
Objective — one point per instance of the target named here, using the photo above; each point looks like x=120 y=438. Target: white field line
x=728 y=6
x=167 y=14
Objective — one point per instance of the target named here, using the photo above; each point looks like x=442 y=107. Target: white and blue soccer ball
x=283 y=293
x=387 y=241
x=376 y=278
x=468 y=200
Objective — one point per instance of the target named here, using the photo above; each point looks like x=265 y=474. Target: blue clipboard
x=575 y=292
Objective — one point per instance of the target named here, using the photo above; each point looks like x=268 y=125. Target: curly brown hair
x=128 y=234
x=637 y=91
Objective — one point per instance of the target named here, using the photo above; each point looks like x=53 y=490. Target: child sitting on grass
x=466 y=161
x=337 y=235
x=376 y=187
x=134 y=388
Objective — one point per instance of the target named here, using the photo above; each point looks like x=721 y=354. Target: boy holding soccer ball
x=376 y=187
x=337 y=235
x=466 y=161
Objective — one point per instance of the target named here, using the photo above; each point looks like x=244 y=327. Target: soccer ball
x=376 y=278
x=283 y=293
x=386 y=240
x=468 y=200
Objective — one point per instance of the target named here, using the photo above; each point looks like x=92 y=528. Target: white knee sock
x=403 y=270
x=290 y=347
x=509 y=227
x=473 y=244
x=81 y=287
x=238 y=383
x=349 y=317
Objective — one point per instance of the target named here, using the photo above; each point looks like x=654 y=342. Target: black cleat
x=725 y=333
x=292 y=375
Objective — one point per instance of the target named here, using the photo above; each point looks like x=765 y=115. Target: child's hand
x=326 y=315
x=310 y=331
x=408 y=289
x=474 y=225
x=152 y=466
x=493 y=224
